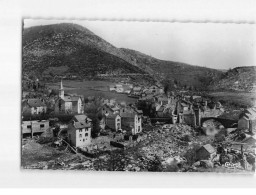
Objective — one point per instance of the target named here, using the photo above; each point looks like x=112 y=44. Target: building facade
x=79 y=131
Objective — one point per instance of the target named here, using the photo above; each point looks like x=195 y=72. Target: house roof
x=127 y=114
x=139 y=111
x=249 y=114
x=81 y=118
x=209 y=148
x=80 y=125
x=137 y=88
x=35 y=102
x=111 y=115
x=250 y=140
x=160 y=109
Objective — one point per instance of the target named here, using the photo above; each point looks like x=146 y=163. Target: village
x=165 y=131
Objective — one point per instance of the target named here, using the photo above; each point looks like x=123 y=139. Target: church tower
x=61 y=91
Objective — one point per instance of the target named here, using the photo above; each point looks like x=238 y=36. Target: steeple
x=61 y=90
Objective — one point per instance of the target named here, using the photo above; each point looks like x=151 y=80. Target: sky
x=213 y=45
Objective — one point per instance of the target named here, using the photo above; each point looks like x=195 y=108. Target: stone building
x=79 y=131
x=68 y=103
x=35 y=126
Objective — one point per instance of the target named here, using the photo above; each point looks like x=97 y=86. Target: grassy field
x=91 y=88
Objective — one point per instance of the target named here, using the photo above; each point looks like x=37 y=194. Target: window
x=80 y=135
x=42 y=126
x=86 y=134
x=80 y=130
x=29 y=127
x=83 y=140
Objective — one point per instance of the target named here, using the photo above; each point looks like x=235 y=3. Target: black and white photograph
x=138 y=96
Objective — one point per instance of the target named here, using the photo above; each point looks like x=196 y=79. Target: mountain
x=62 y=49
x=237 y=79
x=69 y=48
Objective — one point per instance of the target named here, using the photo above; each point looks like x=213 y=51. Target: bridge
x=227 y=123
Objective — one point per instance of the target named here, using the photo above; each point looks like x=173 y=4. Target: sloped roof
x=81 y=118
x=127 y=114
x=249 y=114
x=111 y=115
x=139 y=111
x=249 y=140
x=80 y=125
x=209 y=148
x=35 y=103
x=160 y=109
x=137 y=88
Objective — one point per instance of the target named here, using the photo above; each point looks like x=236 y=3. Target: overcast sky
x=213 y=45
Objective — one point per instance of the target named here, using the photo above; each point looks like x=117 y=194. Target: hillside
x=237 y=79
x=70 y=49
x=185 y=74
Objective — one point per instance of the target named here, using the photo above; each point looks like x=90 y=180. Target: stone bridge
x=227 y=123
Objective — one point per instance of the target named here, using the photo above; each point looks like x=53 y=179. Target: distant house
x=247 y=120
x=156 y=89
x=68 y=103
x=113 y=121
x=119 y=88
x=159 y=110
x=131 y=121
x=107 y=110
x=185 y=112
x=79 y=131
x=183 y=106
x=34 y=106
x=35 y=126
x=112 y=88
x=163 y=100
x=136 y=91
x=206 y=152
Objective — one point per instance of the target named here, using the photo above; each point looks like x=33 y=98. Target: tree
x=169 y=86
x=91 y=109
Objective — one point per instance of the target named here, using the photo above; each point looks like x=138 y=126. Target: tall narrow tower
x=61 y=91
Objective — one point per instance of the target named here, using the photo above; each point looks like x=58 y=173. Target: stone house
x=206 y=152
x=35 y=126
x=79 y=131
x=107 y=110
x=131 y=122
x=33 y=106
x=247 y=120
x=184 y=111
x=113 y=121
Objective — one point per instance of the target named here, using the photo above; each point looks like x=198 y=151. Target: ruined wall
x=189 y=119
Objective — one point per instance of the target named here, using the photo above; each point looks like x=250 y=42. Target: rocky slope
x=237 y=79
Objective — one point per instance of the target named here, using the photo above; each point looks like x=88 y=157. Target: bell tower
x=61 y=91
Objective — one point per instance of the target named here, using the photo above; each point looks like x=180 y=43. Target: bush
x=186 y=138
x=191 y=155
